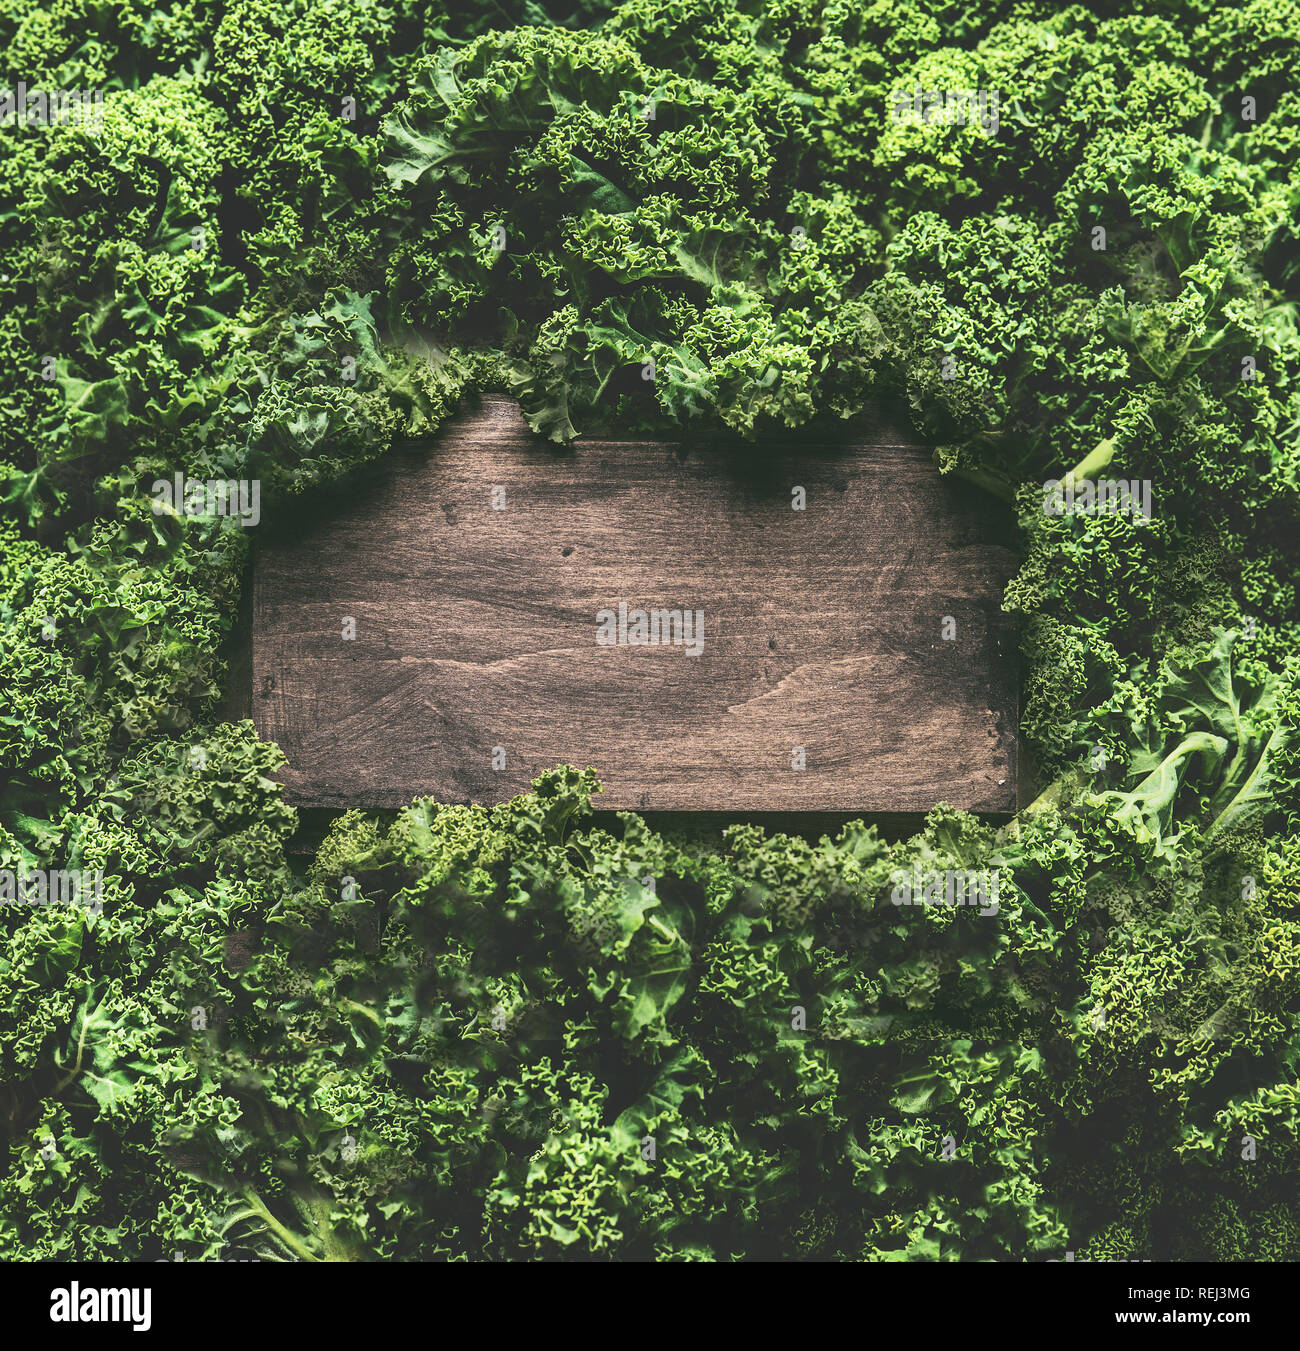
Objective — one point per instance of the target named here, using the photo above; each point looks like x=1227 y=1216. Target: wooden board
x=477 y=627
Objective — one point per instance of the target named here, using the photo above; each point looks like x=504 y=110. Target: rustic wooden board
x=476 y=628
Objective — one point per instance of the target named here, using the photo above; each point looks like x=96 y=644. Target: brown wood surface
x=476 y=628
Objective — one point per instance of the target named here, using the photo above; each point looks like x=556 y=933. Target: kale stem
x=286 y=1236
x=1097 y=458
x=991 y=482
x=81 y=1048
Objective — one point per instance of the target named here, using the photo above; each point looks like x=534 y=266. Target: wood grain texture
x=477 y=628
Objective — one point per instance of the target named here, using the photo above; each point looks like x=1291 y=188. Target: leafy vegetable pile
x=304 y=232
